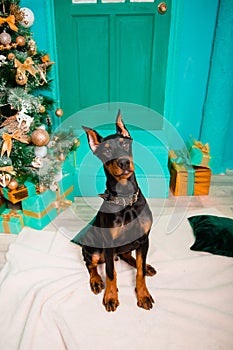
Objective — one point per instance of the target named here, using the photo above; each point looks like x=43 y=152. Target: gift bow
x=10 y=20
x=62 y=204
x=181 y=157
x=7 y=141
x=204 y=148
x=27 y=66
x=12 y=214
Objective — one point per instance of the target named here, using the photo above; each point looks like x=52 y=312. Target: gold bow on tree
x=10 y=20
x=8 y=169
x=27 y=66
x=7 y=141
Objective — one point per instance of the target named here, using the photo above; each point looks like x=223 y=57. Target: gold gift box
x=188 y=180
x=202 y=180
x=20 y=193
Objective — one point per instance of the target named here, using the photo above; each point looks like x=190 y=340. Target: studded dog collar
x=120 y=200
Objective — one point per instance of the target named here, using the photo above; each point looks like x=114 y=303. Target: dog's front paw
x=145 y=300
x=110 y=303
x=97 y=285
x=150 y=271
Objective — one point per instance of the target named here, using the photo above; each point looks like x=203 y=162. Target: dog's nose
x=123 y=163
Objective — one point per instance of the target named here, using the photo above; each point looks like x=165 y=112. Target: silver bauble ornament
x=42 y=126
x=40 y=151
x=28 y=19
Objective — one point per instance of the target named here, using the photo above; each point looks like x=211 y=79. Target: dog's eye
x=125 y=146
x=107 y=151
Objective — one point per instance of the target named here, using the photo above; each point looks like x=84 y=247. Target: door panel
x=91 y=57
x=134 y=51
x=111 y=52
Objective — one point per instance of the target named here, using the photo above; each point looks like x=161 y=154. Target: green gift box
x=39 y=210
x=182 y=174
x=22 y=192
x=200 y=154
x=66 y=187
x=11 y=221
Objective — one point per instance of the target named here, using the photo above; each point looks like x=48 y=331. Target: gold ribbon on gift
x=6 y=227
x=10 y=20
x=12 y=214
x=6 y=218
x=7 y=141
x=62 y=204
x=27 y=66
x=57 y=205
x=204 y=148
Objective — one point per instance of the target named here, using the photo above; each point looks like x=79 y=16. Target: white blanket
x=46 y=302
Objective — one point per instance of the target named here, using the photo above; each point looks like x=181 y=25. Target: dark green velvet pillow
x=213 y=234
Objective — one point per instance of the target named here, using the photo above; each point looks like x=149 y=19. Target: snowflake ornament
x=2 y=60
x=23 y=117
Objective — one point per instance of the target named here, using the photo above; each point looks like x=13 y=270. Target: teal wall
x=192 y=33
x=44 y=35
x=199 y=91
x=191 y=79
x=39 y=27
x=217 y=126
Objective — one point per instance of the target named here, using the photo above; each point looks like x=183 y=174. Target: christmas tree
x=29 y=150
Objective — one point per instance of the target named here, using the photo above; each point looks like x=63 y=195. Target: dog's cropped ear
x=120 y=126
x=94 y=139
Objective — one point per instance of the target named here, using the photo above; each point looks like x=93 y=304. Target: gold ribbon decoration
x=62 y=204
x=12 y=214
x=7 y=169
x=7 y=217
x=27 y=66
x=7 y=141
x=53 y=205
x=204 y=148
x=10 y=20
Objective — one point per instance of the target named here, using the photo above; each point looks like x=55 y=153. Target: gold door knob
x=162 y=8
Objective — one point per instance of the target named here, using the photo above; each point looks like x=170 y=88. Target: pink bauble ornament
x=5 y=38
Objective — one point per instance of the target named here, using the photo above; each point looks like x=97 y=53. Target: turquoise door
x=111 y=52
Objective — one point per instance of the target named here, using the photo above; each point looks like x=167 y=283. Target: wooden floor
x=220 y=198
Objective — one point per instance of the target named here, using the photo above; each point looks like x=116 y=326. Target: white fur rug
x=46 y=302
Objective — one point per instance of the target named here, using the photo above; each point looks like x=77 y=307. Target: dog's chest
x=128 y=224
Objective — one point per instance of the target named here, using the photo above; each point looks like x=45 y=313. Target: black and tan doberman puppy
x=122 y=223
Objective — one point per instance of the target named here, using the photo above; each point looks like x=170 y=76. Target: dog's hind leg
x=129 y=259
x=92 y=260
